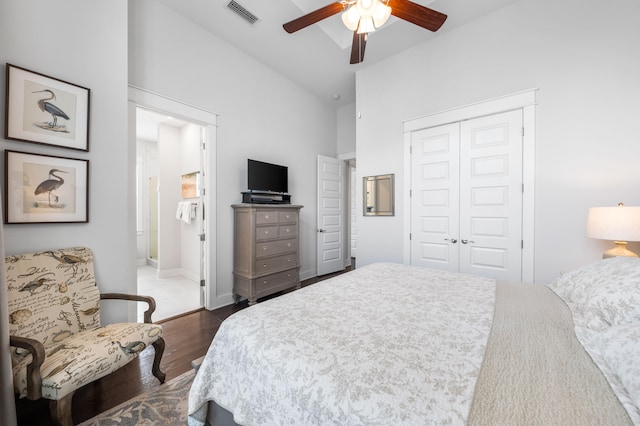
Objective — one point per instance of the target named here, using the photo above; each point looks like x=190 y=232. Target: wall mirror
x=377 y=192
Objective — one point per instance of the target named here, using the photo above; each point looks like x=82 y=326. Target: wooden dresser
x=265 y=249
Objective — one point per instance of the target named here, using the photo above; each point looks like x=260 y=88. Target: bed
x=389 y=344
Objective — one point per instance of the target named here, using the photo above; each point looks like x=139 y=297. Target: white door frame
x=526 y=101
x=347 y=157
x=154 y=101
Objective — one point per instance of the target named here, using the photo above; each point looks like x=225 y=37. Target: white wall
x=67 y=39
x=346 y=116
x=83 y=42
x=262 y=115
x=583 y=59
x=169 y=194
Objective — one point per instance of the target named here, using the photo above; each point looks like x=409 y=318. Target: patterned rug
x=166 y=405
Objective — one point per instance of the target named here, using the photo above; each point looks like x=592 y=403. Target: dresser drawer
x=273 y=248
x=266 y=217
x=288 y=231
x=273 y=264
x=266 y=232
x=275 y=282
x=287 y=216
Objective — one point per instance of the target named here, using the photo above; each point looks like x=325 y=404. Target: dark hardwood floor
x=187 y=337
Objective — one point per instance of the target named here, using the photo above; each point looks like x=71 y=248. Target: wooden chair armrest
x=137 y=298
x=34 y=379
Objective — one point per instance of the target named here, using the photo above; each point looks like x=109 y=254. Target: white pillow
x=602 y=294
x=616 y=302
x=620 y=348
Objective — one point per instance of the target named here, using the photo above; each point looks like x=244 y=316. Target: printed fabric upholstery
x=53 y=298
x=52 y=294
x=85 y=357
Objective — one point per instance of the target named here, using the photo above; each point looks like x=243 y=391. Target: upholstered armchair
x=58 y=344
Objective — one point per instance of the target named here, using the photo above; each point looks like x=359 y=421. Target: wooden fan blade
x=417 y=14
x=313 y=17
x=357 y=47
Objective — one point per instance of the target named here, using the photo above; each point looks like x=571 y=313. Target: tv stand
x=255 y=197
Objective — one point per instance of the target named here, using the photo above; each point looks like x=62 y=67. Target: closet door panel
x=435 y=197
x=491 y=196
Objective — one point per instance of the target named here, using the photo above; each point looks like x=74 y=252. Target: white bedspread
x=385 y=344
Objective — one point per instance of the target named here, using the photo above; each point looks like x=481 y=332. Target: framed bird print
x=45 y=189
x=46 y=110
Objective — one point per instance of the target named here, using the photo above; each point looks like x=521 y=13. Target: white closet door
x=435 y=197
x=491 y=196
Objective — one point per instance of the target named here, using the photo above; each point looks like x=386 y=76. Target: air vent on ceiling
x=242 y=12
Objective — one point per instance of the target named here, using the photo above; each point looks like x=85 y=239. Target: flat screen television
x=266 y=177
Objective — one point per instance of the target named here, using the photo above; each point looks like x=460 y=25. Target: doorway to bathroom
x=176 y=173
x=170 y=205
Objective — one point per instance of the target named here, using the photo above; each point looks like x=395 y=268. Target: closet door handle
x=322 y=230
x=453 y=240
x=467 y=241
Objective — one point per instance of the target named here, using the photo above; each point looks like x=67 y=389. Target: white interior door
x=435 y=210
x=331 y=215
x=466 y=196
x=491 y=196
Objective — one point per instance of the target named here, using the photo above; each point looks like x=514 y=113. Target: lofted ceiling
x=317 y=57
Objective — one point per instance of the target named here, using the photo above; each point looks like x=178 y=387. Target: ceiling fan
x=364 y=16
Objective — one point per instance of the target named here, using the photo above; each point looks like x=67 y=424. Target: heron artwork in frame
x=45 y=189
x=46 y=110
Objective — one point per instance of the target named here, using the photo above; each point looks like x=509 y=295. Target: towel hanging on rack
x=186 y=211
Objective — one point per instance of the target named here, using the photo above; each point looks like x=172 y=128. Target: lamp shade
x=350 y=18
x=381 y=14
x=366 y=25
x=619 y=223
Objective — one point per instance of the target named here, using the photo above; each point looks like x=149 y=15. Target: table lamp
x=619 y=224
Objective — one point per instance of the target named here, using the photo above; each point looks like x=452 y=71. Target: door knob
x=453 y=240
x=466 y=241
x=322 y=230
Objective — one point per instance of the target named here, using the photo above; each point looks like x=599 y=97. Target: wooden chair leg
x=158 y=345
x=61 y=410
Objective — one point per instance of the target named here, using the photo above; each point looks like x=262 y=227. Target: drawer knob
x=264 y=282
x=264 y=265
x=266 y=232
x=264 y=248
x=287 y=230
x=288 y=244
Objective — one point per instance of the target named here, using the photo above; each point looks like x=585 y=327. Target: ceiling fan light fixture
x=350 y=18
x=366 y=7
x=366 y=25
x=381 y=14
x=365 y=16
